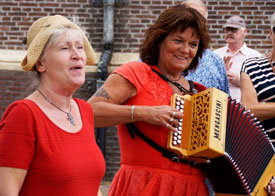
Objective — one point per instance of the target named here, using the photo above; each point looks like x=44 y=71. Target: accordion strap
x=165 y=153
x=178 y=85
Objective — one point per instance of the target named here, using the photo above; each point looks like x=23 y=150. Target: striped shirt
x=263 y=79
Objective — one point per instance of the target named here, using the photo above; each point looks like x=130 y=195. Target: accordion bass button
x=179 y=132
x=179 y=141
x=175 y=142
x=179 y=136
x=181 y=110
x=180 y=128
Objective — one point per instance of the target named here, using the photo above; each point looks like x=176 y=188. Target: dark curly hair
x=179 y=17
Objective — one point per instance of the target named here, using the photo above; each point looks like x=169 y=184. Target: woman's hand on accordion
x=166 y=116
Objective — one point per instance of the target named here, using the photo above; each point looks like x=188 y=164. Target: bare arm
x=11 y=180
x=262 y=110
x=116 y=90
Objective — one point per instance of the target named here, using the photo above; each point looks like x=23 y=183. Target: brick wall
x=131 y=19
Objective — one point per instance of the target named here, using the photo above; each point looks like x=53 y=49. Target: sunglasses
x=232 y=29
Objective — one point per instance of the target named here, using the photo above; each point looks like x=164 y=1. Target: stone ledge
x=11 y=59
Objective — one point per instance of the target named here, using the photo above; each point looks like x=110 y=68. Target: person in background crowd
x=211 y=69
x=47 y=143
x=258 y=89
x=258 y=86
x=140 y=93
x=235 y=52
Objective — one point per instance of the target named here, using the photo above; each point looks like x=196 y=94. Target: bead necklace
x=70 y=117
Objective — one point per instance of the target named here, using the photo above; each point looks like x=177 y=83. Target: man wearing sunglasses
x=235 y=52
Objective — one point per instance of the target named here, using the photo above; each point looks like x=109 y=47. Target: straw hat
x=39 y=34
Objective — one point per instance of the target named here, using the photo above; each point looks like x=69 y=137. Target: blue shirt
x=210 y=72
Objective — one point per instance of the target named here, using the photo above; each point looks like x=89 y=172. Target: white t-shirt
x=238 y=58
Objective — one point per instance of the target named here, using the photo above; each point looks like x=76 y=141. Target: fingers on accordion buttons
x=173 y=114
x=167 y=125
x=171 y=119
x=269 y=189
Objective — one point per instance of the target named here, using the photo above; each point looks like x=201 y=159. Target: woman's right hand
x=163 y=115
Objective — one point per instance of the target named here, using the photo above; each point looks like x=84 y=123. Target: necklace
x=70 y=117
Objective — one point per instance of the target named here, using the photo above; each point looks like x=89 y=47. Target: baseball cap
x=234 y=22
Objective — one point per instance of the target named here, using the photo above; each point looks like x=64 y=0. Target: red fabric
x=58 y=162
x=144 y=172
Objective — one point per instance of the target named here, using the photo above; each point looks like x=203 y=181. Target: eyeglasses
x=232 y=29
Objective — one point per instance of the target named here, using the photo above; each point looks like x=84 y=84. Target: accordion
x=219 y=129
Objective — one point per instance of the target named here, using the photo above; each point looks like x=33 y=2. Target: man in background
x=235 y=52
x=211 y=69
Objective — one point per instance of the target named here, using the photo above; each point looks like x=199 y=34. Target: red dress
x=144 y=171
x=58 y=163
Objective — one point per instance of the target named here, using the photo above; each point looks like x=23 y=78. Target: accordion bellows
x=216 y=127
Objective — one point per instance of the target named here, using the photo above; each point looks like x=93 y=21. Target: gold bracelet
x=132 y=113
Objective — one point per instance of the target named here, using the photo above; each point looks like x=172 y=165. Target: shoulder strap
x=180 y=87
x=192 y=87
x=166 y=153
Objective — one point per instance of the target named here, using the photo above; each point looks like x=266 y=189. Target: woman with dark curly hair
x=140 y=93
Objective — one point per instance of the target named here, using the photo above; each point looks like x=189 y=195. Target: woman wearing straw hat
x=47 y=144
